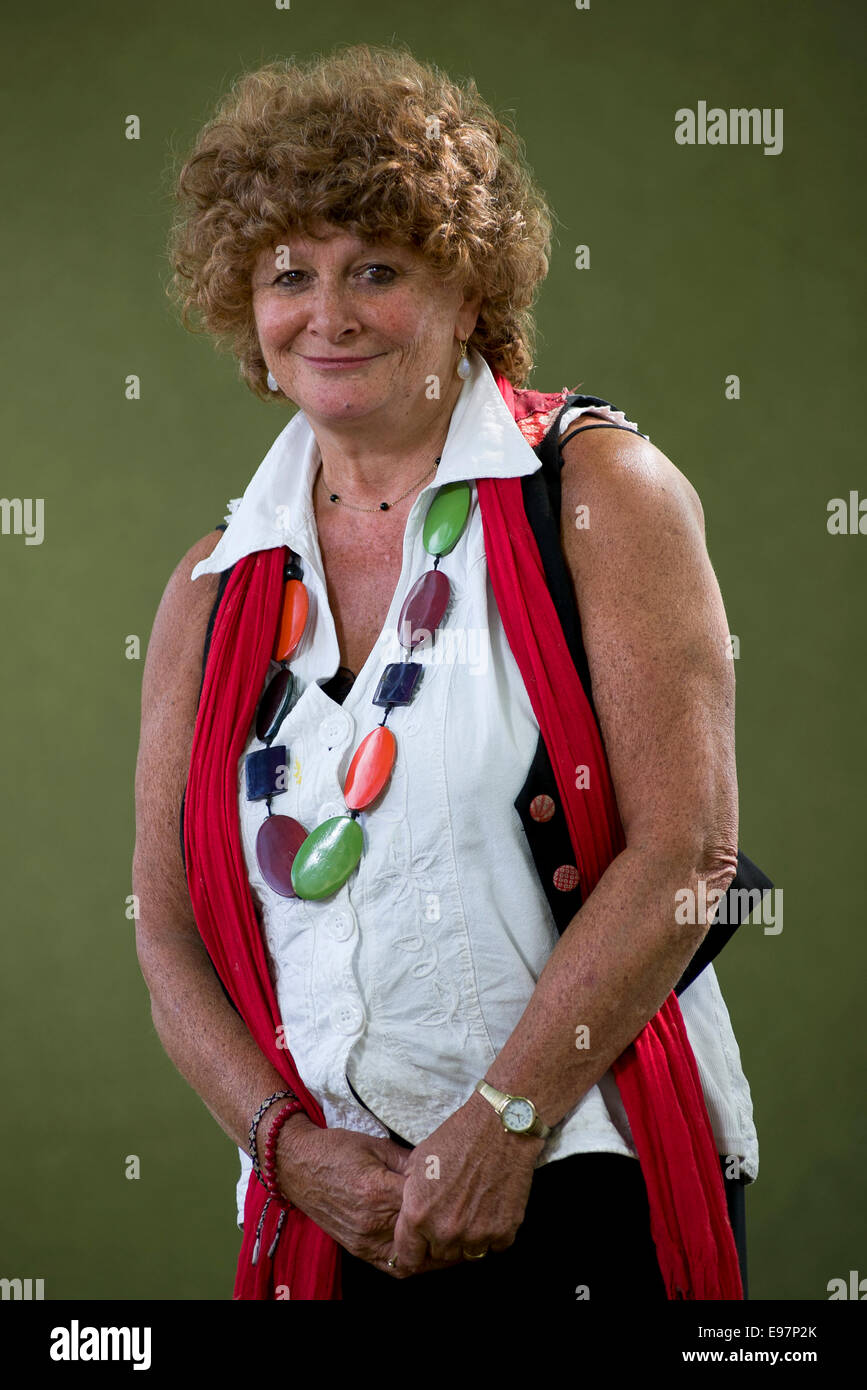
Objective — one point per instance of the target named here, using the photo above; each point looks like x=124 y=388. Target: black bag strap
x=583 y=429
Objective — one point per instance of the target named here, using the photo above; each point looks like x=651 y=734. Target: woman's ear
x=468 y=315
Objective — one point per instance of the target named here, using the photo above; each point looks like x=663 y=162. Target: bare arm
x=655 y=634
x=207 y=1041
x=350 y=1183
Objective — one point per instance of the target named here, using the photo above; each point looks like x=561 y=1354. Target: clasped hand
x=464 y=1189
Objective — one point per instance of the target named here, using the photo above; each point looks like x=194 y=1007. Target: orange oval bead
x=370 y=768
x=293 y=619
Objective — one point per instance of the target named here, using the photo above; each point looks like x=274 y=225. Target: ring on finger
x=480 y=1255
x=392 y=1263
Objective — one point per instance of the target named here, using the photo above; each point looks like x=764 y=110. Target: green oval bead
x=446 y=518
x=327 y=857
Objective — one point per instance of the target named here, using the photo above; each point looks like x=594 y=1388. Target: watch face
x=518 y=1115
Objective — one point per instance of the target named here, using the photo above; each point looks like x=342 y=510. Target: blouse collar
x=276 y=509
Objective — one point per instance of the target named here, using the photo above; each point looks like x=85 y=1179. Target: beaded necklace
x=314 y=865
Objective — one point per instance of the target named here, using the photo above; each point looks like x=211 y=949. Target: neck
x=374 y=460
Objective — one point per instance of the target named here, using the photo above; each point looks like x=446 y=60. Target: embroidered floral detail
x=415 y=895
x=535 y=427
x=535 y=412
x=539 y=402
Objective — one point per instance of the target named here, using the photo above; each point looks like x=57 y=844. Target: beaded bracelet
x=268 y=1177
x=251 y=1139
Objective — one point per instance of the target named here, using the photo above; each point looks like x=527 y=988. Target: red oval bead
x=293 y=618
x=423 y=609
x=370 y=768
x=277 y=843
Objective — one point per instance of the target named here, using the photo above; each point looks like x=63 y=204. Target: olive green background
x=704 y=262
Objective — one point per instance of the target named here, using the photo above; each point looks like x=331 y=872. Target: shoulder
x=181 y=574
x=619 y=468
x=185 y=594
x=176 y=643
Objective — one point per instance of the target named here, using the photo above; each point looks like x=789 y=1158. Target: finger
x=410 y=1245
x=390 y=1190
x=387 y=1262
x=450 y=1254
x=396 y=1159
x=469 y=1246
x=381 y=1256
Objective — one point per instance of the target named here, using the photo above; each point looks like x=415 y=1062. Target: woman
x=425 y=1074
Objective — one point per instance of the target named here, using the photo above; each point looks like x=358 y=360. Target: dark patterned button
x=566 y=878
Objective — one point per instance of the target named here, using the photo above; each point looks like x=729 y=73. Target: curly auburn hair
x=373 y=141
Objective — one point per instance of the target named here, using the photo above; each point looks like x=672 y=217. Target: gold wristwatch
x=516 y=1112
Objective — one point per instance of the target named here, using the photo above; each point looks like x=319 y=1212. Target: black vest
x=549 y=840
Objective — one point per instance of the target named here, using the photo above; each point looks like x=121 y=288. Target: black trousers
x=585 y=1234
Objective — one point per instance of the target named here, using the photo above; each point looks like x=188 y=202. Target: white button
x=340 y=925
x=347 y=1016
x=332 y=730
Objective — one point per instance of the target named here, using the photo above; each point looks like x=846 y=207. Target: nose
x=332 y=315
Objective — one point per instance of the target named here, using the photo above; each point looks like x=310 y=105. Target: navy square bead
x=397 y=683
x=263 y=768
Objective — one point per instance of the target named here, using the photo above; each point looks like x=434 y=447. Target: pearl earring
x=272 y=382
x=463 y=367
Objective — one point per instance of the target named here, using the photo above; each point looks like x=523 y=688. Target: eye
x=281 y=278
x=386 y=269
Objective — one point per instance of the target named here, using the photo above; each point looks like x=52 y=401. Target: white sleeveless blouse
x=408 y=981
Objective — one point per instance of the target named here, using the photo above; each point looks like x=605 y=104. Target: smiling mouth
x=340 y=361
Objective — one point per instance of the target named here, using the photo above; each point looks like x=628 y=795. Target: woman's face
x=351 y=328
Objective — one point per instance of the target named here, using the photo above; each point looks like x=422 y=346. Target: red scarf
x=657 y=1075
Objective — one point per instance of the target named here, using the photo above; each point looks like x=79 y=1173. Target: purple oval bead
x=278 y=842
x=423 y=609
x=274 y=704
